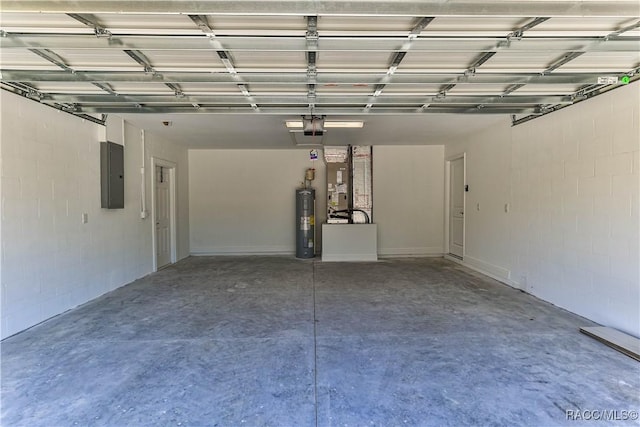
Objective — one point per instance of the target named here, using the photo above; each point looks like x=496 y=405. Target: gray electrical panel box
x=112 y=175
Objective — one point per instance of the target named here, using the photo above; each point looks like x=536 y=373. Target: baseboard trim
x=495 y=272
x=243 y=253
x=426 y=251
x=418 y=255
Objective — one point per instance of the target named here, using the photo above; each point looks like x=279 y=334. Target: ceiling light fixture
x=356 y=124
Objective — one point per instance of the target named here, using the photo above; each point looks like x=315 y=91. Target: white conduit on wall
x=143 y=187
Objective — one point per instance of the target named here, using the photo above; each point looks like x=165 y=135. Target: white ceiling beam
x=495 y=8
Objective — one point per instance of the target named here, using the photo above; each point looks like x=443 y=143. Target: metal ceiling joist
x=303 y=110
x=105 y=87
x=302 y=99
x=397 y=58
x=225 y=57
x=329 y=44
x=569 y=56
x=141 y=59
x=311 y=38
x=601 y=8
x=51 y=57
x=292 y=78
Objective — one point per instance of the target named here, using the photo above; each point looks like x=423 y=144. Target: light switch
x=477 y=206
x=85 y=218
x=507 y=207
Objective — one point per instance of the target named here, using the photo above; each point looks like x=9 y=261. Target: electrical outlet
x=477 y=206
x=507 y=207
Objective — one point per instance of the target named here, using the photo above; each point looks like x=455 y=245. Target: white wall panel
x=242 y=201
x=50 y=176
x=408 y=199
x=572 y=179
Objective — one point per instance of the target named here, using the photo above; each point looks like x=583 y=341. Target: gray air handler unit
x=305 y=218
x=349 y=233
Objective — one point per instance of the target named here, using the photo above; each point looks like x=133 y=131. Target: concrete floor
x=276 y=341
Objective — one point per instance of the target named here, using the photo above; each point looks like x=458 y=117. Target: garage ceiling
x=206 y=64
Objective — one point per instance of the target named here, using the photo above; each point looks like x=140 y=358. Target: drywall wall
x=408 y=199
x=51 y=260
x=242 y=201
x=571 y=179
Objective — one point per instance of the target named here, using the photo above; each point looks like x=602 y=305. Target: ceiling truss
x=339 y=58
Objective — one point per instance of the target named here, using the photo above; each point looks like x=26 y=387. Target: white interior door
x=456 y=208
x=163 y=215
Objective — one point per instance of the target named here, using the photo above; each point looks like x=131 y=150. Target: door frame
x=447 y=204
x=171 y=169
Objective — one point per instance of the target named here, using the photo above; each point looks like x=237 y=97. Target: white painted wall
x=50 y=176
x=408 y=199
x=572 y=180
x=242 y=201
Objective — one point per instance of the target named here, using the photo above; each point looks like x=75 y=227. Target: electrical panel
x=112 y=175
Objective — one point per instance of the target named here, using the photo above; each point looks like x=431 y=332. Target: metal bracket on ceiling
x=470 y=71
x=91 y=22
x=142 y=60
x=622 y=30
x=421 y=25
x=177 y=90
x=484 y=57
x=519 y=32
x=70 y=108
x=511 y=89
x=27 y=91
x=105 y=87
x=202 y=22
x=53 y=58
x=569 y=56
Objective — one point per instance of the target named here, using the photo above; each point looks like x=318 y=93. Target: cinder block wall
x=50 y=176
x=242 y=201
x=572 y=181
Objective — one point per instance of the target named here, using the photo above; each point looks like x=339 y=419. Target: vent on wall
x=112 y=175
